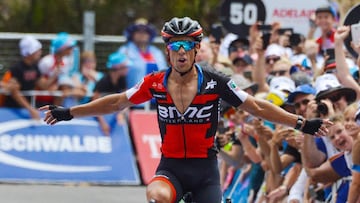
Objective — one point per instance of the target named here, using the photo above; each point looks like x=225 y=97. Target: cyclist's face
x=182 y=59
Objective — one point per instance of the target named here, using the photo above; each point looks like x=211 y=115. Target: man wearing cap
x=242 y=64
x=238 y=47
x=300 y=97
x=114 y=81
x=25 y=74
x=144 y=57
x=335 y=96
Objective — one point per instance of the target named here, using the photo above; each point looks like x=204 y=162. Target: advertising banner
x=69 y=151
x=238 y=15
x=146 y=136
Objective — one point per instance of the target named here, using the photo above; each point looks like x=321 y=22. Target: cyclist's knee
x=159 y=192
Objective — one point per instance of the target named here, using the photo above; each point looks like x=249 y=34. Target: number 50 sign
x=238 y=15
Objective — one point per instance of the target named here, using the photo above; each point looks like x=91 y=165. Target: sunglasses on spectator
x=278 y=73
x=304 y=102
x=335 y=98
x=274 y=59
x=235 y=48
x=176 y=45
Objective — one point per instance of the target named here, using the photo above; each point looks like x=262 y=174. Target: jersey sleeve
x=231 y=92
x=141 y=91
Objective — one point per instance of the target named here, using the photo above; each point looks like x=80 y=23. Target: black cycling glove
x=60 y=113
x=312 y=126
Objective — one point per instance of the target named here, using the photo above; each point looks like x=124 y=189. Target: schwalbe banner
x=71 y=151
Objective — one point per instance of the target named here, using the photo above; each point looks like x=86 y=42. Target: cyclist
x=187 y=98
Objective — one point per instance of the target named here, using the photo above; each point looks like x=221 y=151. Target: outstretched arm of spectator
x=356 y=47
x=283 y=189
x=234 y=156
x=311 y=156
x=342 y=67
x=14 y=88
x=259 y=74
x=323 y=174
x=249 y=149
x=279 y=162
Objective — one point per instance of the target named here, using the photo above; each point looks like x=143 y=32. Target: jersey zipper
x=183 y=132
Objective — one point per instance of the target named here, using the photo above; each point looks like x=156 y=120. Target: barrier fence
x=77 y=150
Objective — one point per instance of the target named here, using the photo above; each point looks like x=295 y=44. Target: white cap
x=282 y=83
x=29 y=45
x=275 y=49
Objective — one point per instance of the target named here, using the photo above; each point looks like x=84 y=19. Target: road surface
x=41 y=193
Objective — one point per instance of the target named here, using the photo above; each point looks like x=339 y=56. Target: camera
x=322 y=108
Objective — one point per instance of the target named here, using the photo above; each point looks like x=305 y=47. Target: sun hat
x=327 y=85
x=140 y=24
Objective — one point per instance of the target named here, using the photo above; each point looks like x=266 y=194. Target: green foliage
x=112 y=16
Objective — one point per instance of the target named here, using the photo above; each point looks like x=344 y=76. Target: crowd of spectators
x=307 y=76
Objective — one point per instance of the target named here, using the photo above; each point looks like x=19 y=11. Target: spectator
x=113 y=82
x=325 y=19
x=238 y=47
x=56 y=67
x=216 y=36
x=25 y=75
x=88 y=75
x=338 y=167
x=205 y=56
x=242 y=64
x=314 y=60
x=297 y=43
x=144 y=57
x=301 y=97
x=332 y=94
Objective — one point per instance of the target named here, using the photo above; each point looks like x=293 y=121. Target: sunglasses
x=235 y=48
x=176 y=45
x=302 y=102
x=279 y=72
x=274 y=59
x=335 y=98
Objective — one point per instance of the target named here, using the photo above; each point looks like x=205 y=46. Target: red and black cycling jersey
x=191 y=134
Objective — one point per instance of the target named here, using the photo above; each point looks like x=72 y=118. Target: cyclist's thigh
x=210 y=193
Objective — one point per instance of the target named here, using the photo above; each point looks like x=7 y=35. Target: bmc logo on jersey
x=192 y=112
